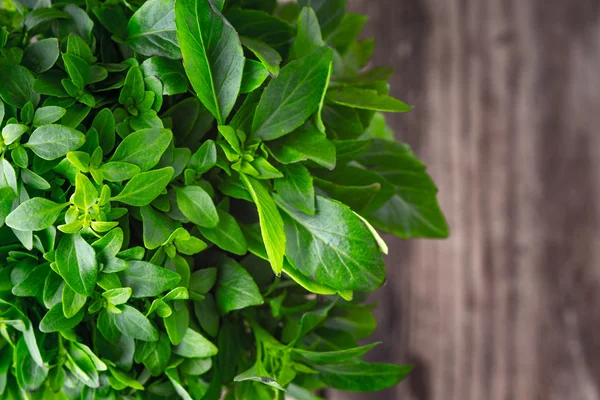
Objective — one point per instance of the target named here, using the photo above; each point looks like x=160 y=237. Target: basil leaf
x=308 y=36
x=296 y=187
x=212 y=53
x=413 y=210
x=227 y=235
x=72 y=302
x=40 y=56
x=134 y=324
x=151 y=30
x=205 y=158
x=157 y=227
x=293 y=96
x=366 y=99
x=54 y=141
x=197 y=206
x=104 y=124
x=329 y=12
x=267 y=55
x=55 y=320
x=76 y=262
x=254 y=75
x=143 y=188
x=47 y=115
x=116 y=171
x=148 y=280
x=333 y=246
x=271 y=224
x=17 y=85
x=143 y=148
x=194 y=345
x=34 y=215
x=334 y=357
x=178 y=322
x=235 y=288
x=201 y=282
x=362 y=377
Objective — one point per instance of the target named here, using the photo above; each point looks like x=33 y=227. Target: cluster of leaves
x=189 y=192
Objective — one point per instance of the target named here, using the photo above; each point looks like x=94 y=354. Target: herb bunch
x=189 y=197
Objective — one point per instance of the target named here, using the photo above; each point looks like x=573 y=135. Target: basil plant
x=190 y=198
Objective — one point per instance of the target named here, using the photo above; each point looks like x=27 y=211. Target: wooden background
x=507 y=96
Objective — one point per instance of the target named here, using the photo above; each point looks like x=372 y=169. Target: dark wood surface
x=507 y=96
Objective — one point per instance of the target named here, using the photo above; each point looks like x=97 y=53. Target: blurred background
x=507 y=117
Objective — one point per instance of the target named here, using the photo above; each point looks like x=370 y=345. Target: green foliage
x=189 y=192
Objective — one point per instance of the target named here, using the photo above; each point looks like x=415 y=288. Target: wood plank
x=507 y=96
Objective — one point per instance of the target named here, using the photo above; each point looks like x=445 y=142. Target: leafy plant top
x=190 y=199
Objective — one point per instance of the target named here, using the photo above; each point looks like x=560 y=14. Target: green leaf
x=117 y=296
x=333 y=246
x=76 y=262
x=267 y=55
x=143 y=188
x=17 y=85
x=296 y=187
x=254 y=76
x=40 y=56
x=86 y=193
x=178 y=322
x=329 y=12
x=47 y=115
x=34 y=215
x=55 y=320
x=194 y=345
x=72 y=302
x=308 y=36
x=227 y=235
x=117 y=171
x=413 y=210
x=104 y=124
x=197 y=206
x=366 y=99
x=151 y=31
x=201 y=282
x=134 y=324
x=212 y=53
x=13 y=132
x=157 y=227
x=235 y=288
x=334 y=357
x=41 y=15
x=293 y=96
x=271 y=224
x=170 y=73
x=148 y=280
x=205 y=158
x=143 y=148
x=258 y=373
x=54 y=141
x=362 y=377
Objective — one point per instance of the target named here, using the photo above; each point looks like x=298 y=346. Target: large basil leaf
x=54 y=141
x=17 y=85
x=413 y=210
x=76 y=262
x=143 y=188
x=134 y=324
x=143 y=148
x=362 y=377
x=235 y=288
x=306 y=143
x=151 y=31
x=148 y=280
x=212 y=53
x=34 y=214
x=293 y=96
x=271 y=224
x=333 y=246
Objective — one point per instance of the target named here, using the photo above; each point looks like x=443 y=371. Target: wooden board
x=507 y=96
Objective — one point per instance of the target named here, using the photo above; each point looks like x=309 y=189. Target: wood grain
x=507 y=96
